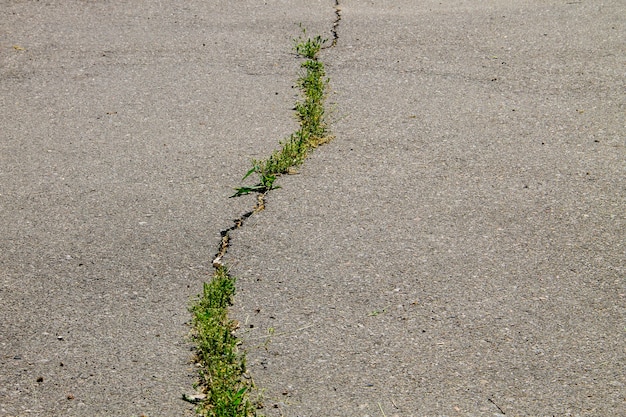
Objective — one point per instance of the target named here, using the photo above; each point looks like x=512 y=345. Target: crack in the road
x=216 y=345
x=237 y=224
x=260 y=205
x=335 y=28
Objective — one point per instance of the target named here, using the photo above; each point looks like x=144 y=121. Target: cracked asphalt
x=458 y=249
x=124 y=128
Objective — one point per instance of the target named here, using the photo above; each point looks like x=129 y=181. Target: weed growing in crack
x=310 y=112
x=222 y=366
x=308 y=47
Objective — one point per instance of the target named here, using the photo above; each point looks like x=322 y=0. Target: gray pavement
x=459 y=249
x=124 y=127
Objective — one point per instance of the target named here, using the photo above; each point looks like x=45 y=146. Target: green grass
x=224 y=390
x=221 y=363
x=310 y=112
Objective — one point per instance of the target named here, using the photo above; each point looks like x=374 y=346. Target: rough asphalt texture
x=123 y=129
x=458 y=250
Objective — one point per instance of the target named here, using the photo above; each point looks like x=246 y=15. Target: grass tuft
x=308 y=47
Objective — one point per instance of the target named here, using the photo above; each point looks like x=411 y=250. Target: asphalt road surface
x=458 y=250
x=124 y=128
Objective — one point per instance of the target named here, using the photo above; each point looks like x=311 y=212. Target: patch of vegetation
x=221 y=364
x=310 y=112
x=308 y=47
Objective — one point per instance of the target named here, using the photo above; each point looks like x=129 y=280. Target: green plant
x=266 y=181
x=308 y=47
x=311 y=115
x=222 y=366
